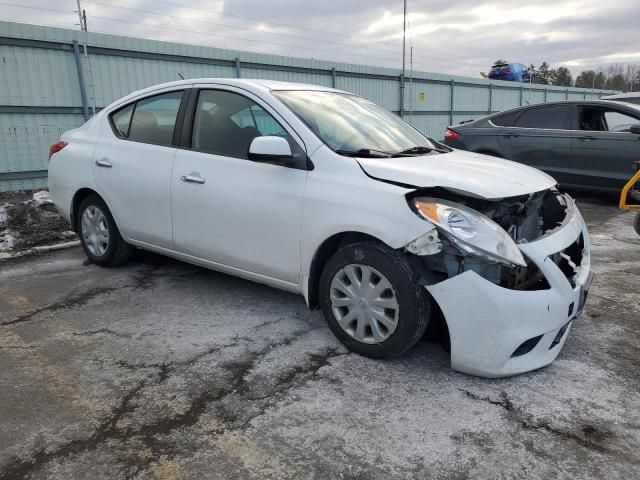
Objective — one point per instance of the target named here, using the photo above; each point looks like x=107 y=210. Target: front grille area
x=570 y=259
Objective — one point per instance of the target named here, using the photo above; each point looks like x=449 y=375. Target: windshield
x=352 y=125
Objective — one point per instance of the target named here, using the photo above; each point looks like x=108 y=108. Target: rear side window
x=505 y=119
x=553 y=117
x=150 y=120
x=122 y=120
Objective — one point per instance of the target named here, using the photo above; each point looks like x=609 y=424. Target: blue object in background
x=512 y=72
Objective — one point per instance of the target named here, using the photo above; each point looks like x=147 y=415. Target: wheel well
x=330 y=246
x=75 y=205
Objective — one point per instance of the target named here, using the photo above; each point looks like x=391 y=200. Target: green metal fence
x=51 y=79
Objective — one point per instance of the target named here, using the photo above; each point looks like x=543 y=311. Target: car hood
x=479 y=175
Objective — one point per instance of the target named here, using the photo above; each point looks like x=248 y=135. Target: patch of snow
x=6 y=240
x=42 y=198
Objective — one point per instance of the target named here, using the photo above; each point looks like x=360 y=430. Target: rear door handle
x=584 y=139
x=104 y=163
x=192 y=179
x=510 y=135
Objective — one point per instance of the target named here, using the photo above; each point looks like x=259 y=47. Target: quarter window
x=553 y=117
x=225 y=123
x=150 y=120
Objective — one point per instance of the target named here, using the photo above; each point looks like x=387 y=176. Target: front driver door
x=603 y=147
x=228 y=209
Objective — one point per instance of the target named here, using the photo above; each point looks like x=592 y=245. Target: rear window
x=553 y=117
x=505 y=119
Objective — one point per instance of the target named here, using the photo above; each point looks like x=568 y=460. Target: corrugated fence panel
x=34 y=76
x=40 y=96
x=384 y=92
x=25 y=139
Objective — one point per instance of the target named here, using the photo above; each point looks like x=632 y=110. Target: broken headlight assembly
x=470 y=231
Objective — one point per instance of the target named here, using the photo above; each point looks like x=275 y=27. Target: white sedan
x=323 y=193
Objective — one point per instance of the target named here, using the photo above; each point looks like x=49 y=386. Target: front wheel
x=99 y=235
x=636 y=224
x=372 y=300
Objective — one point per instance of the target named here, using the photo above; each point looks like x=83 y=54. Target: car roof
x=604 y=103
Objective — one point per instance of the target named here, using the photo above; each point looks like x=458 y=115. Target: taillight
x=56 y=147
x=451 y=135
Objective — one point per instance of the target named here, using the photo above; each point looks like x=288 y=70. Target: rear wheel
x=372 y=300
x=636 y=224
x=99 y=235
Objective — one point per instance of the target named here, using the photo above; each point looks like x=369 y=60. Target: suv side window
x=551 y=117
x=150 y=120
x=226 y=123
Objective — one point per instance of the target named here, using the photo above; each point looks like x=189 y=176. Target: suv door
x=133 y=161
x=230 y=210
x=540 y=137
x=603 y=147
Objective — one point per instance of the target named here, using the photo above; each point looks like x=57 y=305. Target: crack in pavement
x=71 y=301
x=115 y=428
x=525 y=420
x=107 y=331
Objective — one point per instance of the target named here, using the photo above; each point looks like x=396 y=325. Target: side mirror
x=635 y=129
x=269 y=148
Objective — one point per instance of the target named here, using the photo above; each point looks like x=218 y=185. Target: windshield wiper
x=365 y=152
x=420 y=149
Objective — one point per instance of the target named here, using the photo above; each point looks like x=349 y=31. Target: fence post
x=401 y=95
x=566 y=94
x=453 y=87
x=83 y=91
x=333 y=77
x=545 y=94
x=490 y=98
x=521 y=93
x=237 y=67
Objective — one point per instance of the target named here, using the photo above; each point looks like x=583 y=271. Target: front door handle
x=104 y=163
x=192 y=179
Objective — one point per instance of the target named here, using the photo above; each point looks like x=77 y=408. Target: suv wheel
x=372 y=300
x=99 y=235
x=636 y=223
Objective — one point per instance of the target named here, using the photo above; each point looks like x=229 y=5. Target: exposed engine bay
x=525 y=219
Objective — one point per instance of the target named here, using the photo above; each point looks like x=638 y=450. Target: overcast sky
x=461 y=36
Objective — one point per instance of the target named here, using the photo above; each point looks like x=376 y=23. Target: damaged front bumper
x=497 y=331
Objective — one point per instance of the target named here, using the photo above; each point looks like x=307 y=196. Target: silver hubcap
x=95 y=231
x=364 y=303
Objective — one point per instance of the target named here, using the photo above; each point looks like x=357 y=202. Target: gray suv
x=582 y=144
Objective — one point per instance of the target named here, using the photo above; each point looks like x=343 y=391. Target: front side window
x=552 y=117
x=225 y=123
x=602 y=119
x=150 y=120
x=348 y=124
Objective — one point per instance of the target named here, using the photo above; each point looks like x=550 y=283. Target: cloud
x=462 y=37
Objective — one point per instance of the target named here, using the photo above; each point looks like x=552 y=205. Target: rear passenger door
x=603 y=147
x=133 y=161
x=540 y=137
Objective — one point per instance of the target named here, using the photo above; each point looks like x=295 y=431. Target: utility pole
x=82 y=17
x=404 y=41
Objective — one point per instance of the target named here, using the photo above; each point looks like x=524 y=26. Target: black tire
x=117 y=252
x=636 y=224
x=412 y=298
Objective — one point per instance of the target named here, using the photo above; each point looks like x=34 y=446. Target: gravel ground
x=162 y=370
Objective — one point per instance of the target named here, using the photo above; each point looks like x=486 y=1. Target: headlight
x=471 y=231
